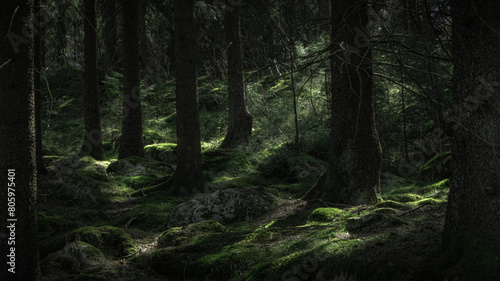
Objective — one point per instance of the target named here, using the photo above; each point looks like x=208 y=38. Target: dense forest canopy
x=250 y=140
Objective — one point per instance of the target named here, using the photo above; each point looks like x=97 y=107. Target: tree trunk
x=38 y=91
x=324 y=15
x=471 y=240
x=188 y=176
x=240 y=120
x=61 y=32
x=18 y=215
x=110 y=35
x=92 y=139
x=131 y=139
x=353 y=172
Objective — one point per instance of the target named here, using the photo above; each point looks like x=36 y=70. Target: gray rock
x=225 y=206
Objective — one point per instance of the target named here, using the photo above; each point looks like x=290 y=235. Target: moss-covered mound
x=183 y=235
x=113 y=241
x=327 y=214
x=165 y=152
x=75 y=257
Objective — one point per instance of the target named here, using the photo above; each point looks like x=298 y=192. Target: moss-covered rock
x=111 y=240
x=165 y=152
x=437 y=168
x=74 y=257
x=326 y=214
x=76 y=181
x=183 y=235
x=225 y=206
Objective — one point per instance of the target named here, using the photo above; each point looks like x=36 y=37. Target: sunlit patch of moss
x=427 y=201
x=392 y=204
x=404 y=198
x=327 y=214
x=422 y=188
x=307 y=263
x=161 y=151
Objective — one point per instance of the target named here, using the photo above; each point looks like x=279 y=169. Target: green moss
x=391 y=204
x=112 y=240
x=93 y=175
x=207 y=226
x=230 y=161
x=231 y=259
x=161 y=151
x=428 y=201
x=139 y=181
x=183 y=235
x=327 y=214
x=404 y=198
x=386 y=211
x=151 y=211
x=437 y=168
x=423 y=188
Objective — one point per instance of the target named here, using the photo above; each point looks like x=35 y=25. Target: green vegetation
x=116 y=208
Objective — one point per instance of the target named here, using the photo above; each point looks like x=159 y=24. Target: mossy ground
x=298 y=240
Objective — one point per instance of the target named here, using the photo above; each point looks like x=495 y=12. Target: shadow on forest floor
x=397 y=239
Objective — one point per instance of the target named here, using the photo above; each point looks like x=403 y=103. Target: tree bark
x=62 y=7
x=18 y=218
x=324 y=15
x=131 y=143
x=110 y=35
x=471 y=240
x=40 y=166
x=240 y=120
x=353 y=172
x=92 y=139
x=188 y=176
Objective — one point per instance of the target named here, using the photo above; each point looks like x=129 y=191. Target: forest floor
x=397 y=239
x=98 y=220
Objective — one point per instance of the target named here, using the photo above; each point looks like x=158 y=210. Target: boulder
x=113 y=241
x=225 y=206
x=76 y=257
x=177 y=236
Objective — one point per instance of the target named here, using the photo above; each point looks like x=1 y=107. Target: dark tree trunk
x=471 y=241
x=38 y=93
x=110 y=35
x=61 y=32
x=188 y=176
x=131 y=139
x=324 y=15
x=240 y=120
x=353 y=173
x=92 y=139
x=18 y=215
